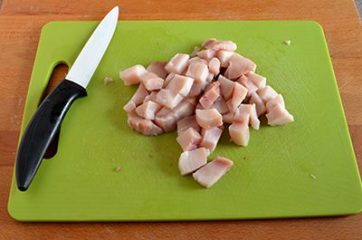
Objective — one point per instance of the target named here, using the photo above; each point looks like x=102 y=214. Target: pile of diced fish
x=198 y=94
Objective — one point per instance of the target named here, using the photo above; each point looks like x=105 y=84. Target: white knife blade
x=87 y=61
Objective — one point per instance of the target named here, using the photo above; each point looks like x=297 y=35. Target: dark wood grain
x=20 y=25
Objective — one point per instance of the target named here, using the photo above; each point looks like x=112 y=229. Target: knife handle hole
x=58 y=74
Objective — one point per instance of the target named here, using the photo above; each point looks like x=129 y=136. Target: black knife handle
x=42 y=128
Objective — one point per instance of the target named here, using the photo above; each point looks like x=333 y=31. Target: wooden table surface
x=20 y=24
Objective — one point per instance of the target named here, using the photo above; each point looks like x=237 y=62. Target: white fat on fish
x=178 y=63
x=208 y=118
x=189 y=139
x=158 y=68
x=132 y=75
x=209 y=174
x=190 y=161
x=210 y=137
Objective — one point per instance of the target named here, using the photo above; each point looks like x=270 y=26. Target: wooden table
x=20 y=24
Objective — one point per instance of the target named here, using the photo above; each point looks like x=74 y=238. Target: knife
x=47 y=119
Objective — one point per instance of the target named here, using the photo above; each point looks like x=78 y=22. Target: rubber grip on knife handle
x=42 y=128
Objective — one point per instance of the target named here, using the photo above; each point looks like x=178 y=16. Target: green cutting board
x=307 y=168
